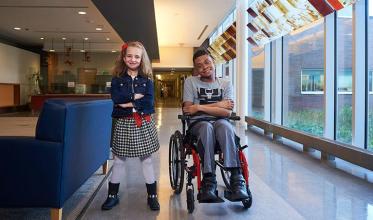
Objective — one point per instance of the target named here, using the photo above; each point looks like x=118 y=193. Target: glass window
x=370 y=74
x=345 y=81
x=303 y=80
x=257 y=87
x=79 y=73
x=312 y=81
x=344 y=75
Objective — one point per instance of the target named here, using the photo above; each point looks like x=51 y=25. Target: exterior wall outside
x=308 y=59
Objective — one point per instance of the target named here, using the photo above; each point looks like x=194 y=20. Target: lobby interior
x=304 y=98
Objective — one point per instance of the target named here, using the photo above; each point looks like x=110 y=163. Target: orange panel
x=6 y=95
x=335 y=4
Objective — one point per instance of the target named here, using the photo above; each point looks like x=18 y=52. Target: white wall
x=175 y=57
x=15 y=66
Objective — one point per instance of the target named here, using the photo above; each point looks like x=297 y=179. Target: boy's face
x=204 y=66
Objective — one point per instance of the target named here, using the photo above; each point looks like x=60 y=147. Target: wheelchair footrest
x=228 y=195
x=217 y=200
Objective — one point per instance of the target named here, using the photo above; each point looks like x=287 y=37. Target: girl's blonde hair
x=145 y=68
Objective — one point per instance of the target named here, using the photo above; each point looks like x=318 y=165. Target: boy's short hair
x=200 y=52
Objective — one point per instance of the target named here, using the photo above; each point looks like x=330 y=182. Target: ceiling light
x=82 y=51
x=42 y=38
x=82 y=12
x=64 y=38
x=107 y=38
x=17 y=28
x=52 y=49
x=98 y=29
x=113 y=51
x=86 y=38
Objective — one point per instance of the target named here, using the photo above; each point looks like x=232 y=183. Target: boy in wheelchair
x=206 y=96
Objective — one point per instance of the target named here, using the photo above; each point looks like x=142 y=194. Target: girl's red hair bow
x=124 y=46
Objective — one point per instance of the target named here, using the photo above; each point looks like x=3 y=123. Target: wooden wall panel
x=6 y=95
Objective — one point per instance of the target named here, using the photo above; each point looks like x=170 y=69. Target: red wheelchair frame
x=184 y=144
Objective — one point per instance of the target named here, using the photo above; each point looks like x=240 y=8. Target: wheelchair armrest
x=183 y=117
x=234 y=118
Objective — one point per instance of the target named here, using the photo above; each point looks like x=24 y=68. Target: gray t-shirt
x=200 y=92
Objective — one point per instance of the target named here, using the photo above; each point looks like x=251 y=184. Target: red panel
x=335 y=4
x=321 y=6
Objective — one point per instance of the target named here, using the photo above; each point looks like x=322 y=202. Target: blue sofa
x=72 y=141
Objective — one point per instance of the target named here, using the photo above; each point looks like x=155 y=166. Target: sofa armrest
x=31 y=172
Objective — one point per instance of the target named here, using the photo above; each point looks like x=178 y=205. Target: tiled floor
x=286 y=183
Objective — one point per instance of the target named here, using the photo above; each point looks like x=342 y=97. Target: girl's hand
x=138 y=96
x=126 y=105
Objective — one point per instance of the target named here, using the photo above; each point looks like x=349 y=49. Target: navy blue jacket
x=123 y=89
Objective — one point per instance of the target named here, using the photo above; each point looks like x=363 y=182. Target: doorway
x=169 y=85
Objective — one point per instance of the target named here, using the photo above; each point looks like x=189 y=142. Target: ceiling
x=178 y=22
x=53 y=20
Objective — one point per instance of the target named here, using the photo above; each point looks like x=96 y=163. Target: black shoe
x=152 y=196
x=112 y=198
x=111 y=201
x=153 y=202
x=238 y=187
x=208 y=189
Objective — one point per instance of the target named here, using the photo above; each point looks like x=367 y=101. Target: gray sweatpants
x=210 y=132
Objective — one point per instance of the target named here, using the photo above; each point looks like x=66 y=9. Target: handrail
x=350 y=153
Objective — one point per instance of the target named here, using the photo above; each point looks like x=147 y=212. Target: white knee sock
x=147 y=169
x=118 y=169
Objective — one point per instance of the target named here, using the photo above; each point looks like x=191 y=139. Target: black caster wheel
x=190 y=200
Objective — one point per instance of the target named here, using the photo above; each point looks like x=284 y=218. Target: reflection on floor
x=286 y=183
x=169 y=102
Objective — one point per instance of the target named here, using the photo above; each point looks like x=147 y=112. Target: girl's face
x=132 y=59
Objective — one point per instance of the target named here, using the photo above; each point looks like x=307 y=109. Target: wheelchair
x=182 y=147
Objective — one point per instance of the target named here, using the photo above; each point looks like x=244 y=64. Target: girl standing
x=134 y=133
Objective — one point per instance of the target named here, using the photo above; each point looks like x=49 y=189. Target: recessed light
x=17 y=28
x=86 y=38
x=113 y=51
x=64 y=38
x=82 y=51
x=98 y=29
x=42 y=38
x=51 y=50
x=82 y=12
x=107 y=38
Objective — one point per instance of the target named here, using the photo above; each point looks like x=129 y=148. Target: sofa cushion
x=51 y=122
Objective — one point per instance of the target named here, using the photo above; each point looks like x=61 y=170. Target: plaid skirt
x=132 y=141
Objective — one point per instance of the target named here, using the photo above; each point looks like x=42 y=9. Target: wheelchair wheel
x=190 y=200
x=176 y=162
x=225 y=174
